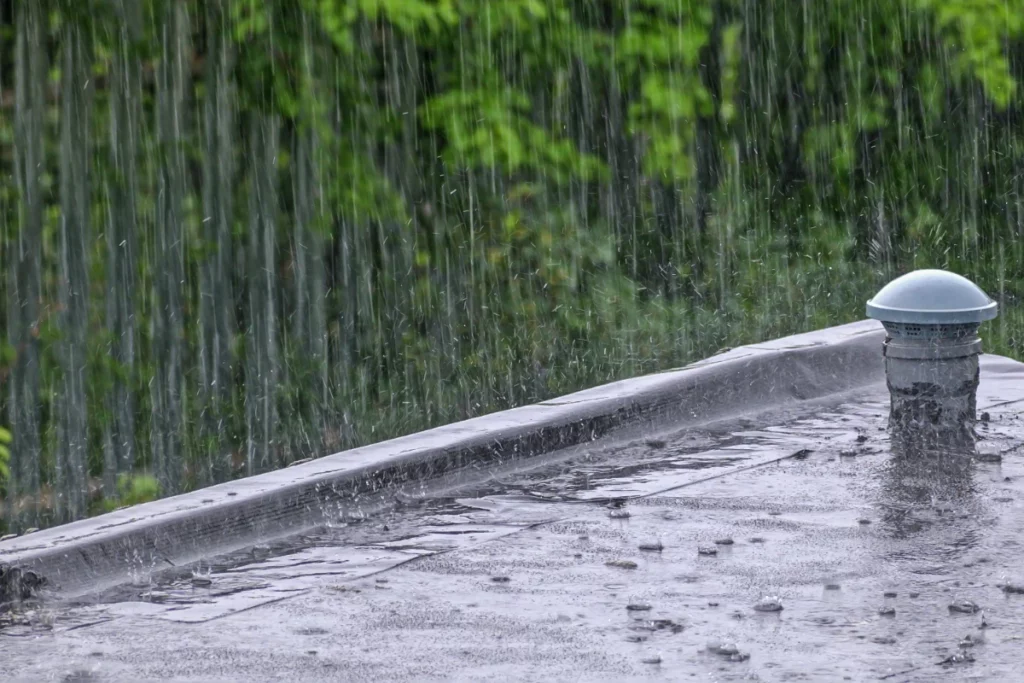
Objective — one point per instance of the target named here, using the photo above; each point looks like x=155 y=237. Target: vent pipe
x=931 y=319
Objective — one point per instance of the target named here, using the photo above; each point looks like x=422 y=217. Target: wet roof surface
x=649 y=560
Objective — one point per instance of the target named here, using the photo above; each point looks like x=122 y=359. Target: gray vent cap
x=931 y=297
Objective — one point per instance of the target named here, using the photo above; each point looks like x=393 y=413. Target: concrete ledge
x=110 y=549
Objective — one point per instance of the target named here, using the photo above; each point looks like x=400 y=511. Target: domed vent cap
x=932 y=297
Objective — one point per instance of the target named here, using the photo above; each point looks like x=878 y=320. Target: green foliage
x=661 y=48
x=5 y=454
x=489 y=128
x=505 y=200
x=977 y=31
x=132 y=489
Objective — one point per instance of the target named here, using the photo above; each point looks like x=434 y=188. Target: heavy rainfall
x=238 y=236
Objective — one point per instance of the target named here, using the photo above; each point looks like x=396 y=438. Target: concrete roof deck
x=531 y=574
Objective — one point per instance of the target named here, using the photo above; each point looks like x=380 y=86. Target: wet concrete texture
x=104 y=551
x=837 y=556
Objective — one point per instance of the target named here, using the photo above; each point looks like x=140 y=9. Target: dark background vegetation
x=237 y=233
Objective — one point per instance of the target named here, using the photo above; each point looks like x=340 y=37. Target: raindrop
x=963 y=607
x=960 y=657
x=769 y=603
x=722 y=648
x=622 y=564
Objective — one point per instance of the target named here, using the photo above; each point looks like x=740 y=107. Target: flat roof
x=617 y=561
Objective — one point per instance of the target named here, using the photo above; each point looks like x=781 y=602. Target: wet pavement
x=796 y=549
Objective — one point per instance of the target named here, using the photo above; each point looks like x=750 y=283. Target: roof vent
x=932 y=297
x=931 y=319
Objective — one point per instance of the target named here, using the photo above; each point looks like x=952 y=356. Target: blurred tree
x=328 y=222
